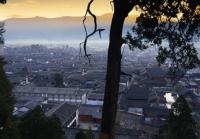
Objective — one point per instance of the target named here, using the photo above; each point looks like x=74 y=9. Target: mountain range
x=56 y=30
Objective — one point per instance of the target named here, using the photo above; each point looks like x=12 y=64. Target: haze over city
x=99 y=69
x=52 y=21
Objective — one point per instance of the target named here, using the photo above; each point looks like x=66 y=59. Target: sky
x=51 y=8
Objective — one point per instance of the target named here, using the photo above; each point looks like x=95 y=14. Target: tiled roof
x=63 y=111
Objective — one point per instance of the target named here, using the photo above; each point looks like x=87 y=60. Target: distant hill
x=61 y=29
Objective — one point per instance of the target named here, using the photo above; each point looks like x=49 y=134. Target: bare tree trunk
x=112 y=77
x=121 y=11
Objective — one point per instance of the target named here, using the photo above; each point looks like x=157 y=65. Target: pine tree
x=35 y=125
x=58 y=80
x=6 y=102
x=180 y=124
x=85 y=135
x=7 y=125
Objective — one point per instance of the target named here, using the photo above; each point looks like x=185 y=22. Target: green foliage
x=80 y=135
x=8 y=128
x=7 y=125
x=170 y=25
x=58 y=80
x=35 y=125
x=85 y=135
x=180 y=124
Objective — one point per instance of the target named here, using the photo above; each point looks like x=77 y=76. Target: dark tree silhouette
x=7 y=125
x=85 y=135
x=3 y=1
x=95 y=30
x=8 y=129
x=170 y=31
x=179 y=124
x=58 y=80
x=150 y=9
x=80 y=135
x=34 y=125
x=121 y=10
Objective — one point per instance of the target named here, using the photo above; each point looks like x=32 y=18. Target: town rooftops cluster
x=50 y=90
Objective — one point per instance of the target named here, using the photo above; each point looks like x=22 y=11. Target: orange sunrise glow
x=50 y=8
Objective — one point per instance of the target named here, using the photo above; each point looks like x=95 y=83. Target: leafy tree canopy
x=179 y=124
x=35 y=125
x=7 y=125
x=58 y=80
x=85 y=135
x=172 y=26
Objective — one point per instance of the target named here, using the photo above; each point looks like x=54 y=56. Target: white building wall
x=84 y=98
x=1 y=50
x=95 y=102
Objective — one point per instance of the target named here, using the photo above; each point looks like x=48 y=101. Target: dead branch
x=95 y=30
x=111 y=4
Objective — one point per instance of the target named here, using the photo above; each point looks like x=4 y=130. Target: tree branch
x=95 y=30
x=3 y=1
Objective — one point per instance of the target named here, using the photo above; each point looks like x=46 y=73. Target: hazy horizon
x=62 y=30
